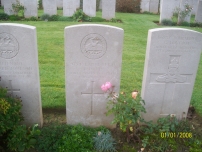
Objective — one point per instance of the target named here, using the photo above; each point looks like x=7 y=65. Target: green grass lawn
x=50 y=37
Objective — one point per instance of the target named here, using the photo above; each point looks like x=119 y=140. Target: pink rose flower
x=104 y=88
x=108 y=85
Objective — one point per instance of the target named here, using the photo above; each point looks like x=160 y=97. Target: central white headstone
x=154 y=6
x=50 y=7
x=59 y=3
x=93 y=56
x=171 y=64
x=31 y=8
x=145 y=5
x=89 y=7
x=19 y=70
x=69 y=7
x=167 y=8
x=108 y=9
x=77 y=3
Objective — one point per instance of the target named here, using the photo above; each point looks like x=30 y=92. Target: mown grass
x=50 y=37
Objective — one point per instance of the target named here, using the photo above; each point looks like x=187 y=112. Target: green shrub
x=167 y=135
x=77 y=138
x=196 y=24
x=10 y=114
x=50 y=138
x=33 y=18
x=104 y=142
x=97 y=19
x=129 y=6
x=65 y=18
x=54 y=18
x=4 y=16
x=166 y=22
x=184 y=24
x=146 y=12
x=22 y=138
x=45 y=17
x=80 y=16
x=63 y=138
x=14 y=18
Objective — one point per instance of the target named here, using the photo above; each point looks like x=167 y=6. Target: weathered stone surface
x=198 y=17
x=21 y=2
x=77 y=3
x=8 y=6
x=59 y=3
x=167 y=8
x=69 y=7
x=154 y=6
x=182 y=7
x=195 y=6
x=171 y=64
x=31 y=8
x=93 y=56
x=108 y=9
x=89 y=7
x=50 y=7
x=144 y=6
x=19 y=70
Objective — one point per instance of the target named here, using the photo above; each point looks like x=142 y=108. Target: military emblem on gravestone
x=9 y=47
x=93 y=46
x=173 y=72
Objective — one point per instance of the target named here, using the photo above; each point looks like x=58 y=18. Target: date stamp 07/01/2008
x=176 y=135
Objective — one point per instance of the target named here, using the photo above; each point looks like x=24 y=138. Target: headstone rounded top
x=18 y=25
x=93 y=25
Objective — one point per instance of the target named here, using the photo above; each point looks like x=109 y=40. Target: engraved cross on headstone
x=170 y=79
x=91 y=93
x=10 y=88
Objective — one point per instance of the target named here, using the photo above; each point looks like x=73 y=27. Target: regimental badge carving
x=173 y=75
x=93 y=46
x=9 y=47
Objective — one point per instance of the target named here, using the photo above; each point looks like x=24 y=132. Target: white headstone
x=195 y=6
x=21 y=2
x=182 y=7
x=167 y=8
x=89 y=7
x=31 y=8
x=108 y=9
x=77 y=3
x=154 y=6
x=93 y=56
x=50 y=7
x=198 y=17
x=144 y=5
x=59 y=3
x=171 y=64
x=69 y=7
x=8 y=6
x=19 y=70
